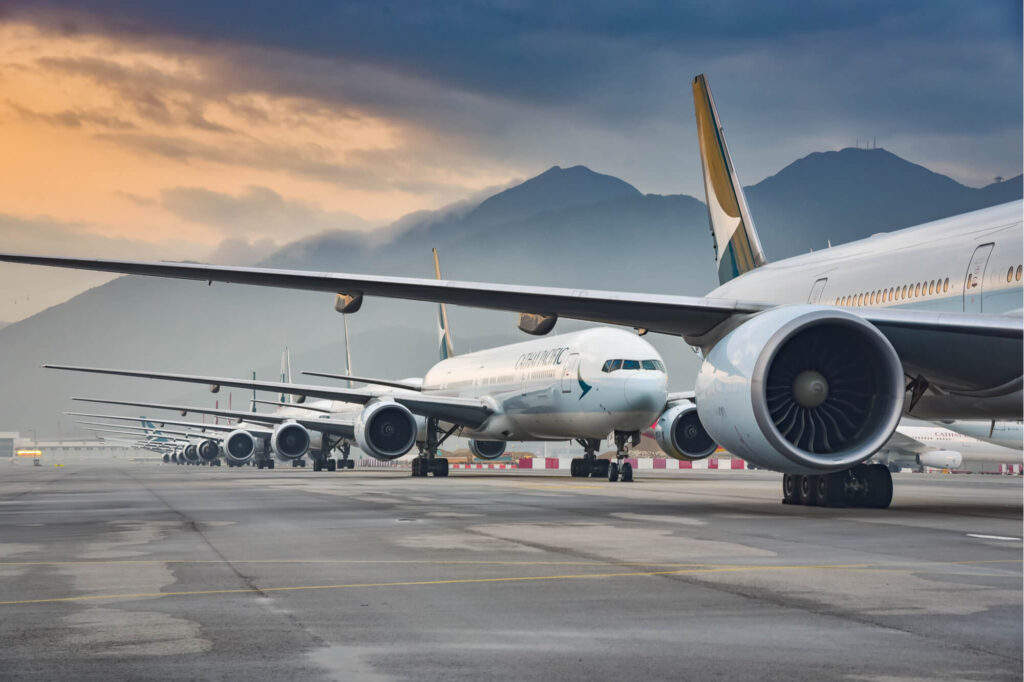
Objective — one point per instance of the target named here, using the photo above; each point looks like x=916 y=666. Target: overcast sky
x=218 y=130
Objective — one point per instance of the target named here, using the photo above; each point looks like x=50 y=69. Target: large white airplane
x=809 y=362
x=923 y=444
x=583 y=386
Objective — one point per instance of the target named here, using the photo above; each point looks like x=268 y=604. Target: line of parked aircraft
x=800 y=374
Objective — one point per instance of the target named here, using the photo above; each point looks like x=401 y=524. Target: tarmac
x=155 y=571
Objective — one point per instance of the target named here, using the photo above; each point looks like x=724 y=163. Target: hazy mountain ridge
x=565 y=227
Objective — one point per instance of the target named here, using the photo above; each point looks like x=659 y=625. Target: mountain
x=4 y=324
x=854 y=193
x=566 y=227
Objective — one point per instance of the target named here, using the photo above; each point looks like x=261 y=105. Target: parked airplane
x=809 y=362
x=1006 y=434
x=923 y=444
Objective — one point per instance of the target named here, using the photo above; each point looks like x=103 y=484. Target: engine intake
x=190 y=452
x=208 y=450
x=681 y=435
x=487 y=449
x=386 y=430
x=802 y=389
x=239 y=446
x=290 y=441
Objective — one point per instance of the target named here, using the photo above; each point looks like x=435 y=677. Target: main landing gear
x=428 y=462
x=590 y=466
x=865 y=485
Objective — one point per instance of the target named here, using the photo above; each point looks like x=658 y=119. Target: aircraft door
x=568 y=370
x=974 y=284
x=816 y=290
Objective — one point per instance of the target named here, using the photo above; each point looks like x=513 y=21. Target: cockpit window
x=651 y=365
x=611 y=365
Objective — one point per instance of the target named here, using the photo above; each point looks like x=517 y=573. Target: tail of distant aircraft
x=286 y=374
x=444 y=333
x=153 y=435
x=737 y=248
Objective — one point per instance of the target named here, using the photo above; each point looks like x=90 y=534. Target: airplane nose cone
x=646 y=393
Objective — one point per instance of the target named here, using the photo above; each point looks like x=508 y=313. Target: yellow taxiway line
x=736 y=568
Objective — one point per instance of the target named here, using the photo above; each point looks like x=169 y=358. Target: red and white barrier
x=1012 y=469
x=647 y=463
x=491 y=465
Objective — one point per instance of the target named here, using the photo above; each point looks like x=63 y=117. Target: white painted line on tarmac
x=993 y=537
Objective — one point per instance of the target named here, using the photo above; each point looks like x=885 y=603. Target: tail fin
x=445 y=340
x=286 y=374
x=348 y=349
x=737 y=248
x=153 y=435
x=252 y=400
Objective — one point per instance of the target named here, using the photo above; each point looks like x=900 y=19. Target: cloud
x=258 y=211
x=73 y=118
x=240 y=251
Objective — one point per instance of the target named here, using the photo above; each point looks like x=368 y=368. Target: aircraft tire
x=831 y=491
x=332 y=465
x=809 y=490
x=318 y=465
x=790 y=489
x=600 y=468
x=350 y=464
x=613 y=472
x=879 y=482
x=441 y=467
x=627 y=473
x=270 y=464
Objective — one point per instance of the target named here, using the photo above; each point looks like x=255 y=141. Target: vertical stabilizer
x=286 y=374
x=737 y=248
x=348 y=349
x=445 y=335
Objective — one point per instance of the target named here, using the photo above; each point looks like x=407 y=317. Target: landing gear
x=344 y=462
x=620 y=470
x=865 y=485
x=318 y=464
x=428 y=462
x=332 y=464
x=589 y=464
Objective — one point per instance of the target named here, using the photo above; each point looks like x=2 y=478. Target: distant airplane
x=924 y=445
x=809 y=362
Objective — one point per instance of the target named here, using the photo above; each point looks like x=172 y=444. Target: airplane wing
x=162 y=422
x=923 y=339
x=463 y=411
x=336 y=427
x=902 y=444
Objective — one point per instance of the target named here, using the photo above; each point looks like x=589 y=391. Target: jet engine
x=167 y=458
x=487 y=449
x=386 y=430
x=680 y=434
x=191 y=454
x=290 y=441
x=941 y=459
x=208 y=450
x=239 y=446
x=802 y=390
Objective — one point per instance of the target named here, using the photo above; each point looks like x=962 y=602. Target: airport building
x=11 y=443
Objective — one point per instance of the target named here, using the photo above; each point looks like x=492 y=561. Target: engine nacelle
x=680 y=434
x=801 y=389
x=208 y=450
x=487 y=449
x=167 y=458
x=941 y=459
x=191 y=453
x=239 y=446
x=386 y=430
x=290 y=441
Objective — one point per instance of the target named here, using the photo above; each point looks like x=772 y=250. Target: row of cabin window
x=612 y=365
x=1010 y=274
x=936 y=286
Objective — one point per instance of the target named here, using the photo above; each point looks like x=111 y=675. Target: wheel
x=574 y=468
x=441 y=467
x=270 y=464
x=790 y=489
x=259 y=465
x=302 y=463
x=809 y=490
x=627 y=473
x=599 y=468
x=350 y=464
x=318 y=465
x=613 y=471
x=416 y=466
x=879 y=482
x=895 y=468
x=332 y=465
x=831 y=490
